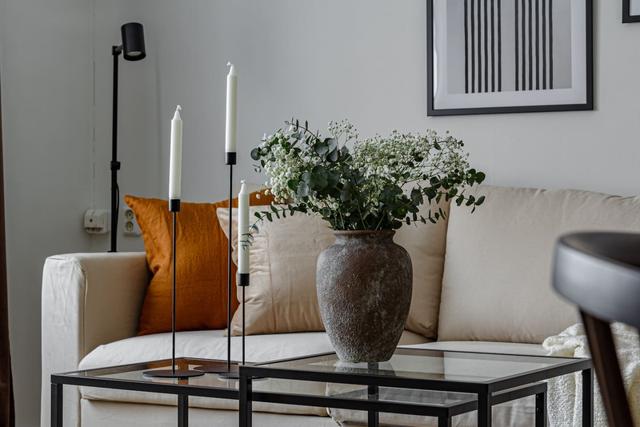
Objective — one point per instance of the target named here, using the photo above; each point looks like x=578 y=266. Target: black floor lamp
x=132 y=49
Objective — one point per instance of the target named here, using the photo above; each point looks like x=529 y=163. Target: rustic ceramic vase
x=364 y=290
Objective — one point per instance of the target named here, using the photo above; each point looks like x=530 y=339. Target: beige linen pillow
x=426 y=246
x=282 y=294
x=497 y=279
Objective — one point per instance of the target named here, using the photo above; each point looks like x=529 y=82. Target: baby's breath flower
x=375 y=183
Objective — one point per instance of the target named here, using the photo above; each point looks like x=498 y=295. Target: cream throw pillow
x=426 y=246
x=282 y=295
x=497 y=280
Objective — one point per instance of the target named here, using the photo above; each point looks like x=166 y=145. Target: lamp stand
x=174 y=207
x=115 y=164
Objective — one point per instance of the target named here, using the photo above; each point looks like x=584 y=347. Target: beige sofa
x=495 y=296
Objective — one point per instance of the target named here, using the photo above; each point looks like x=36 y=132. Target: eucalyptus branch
x=305 y=128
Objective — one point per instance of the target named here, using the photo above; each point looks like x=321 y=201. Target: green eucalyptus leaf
x=333 y=156
x=321 y=149
x=332 y=143
x=416 y=196
x=318 y=180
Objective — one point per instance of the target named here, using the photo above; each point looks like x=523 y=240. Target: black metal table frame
x=488 y=392
x=182 y=389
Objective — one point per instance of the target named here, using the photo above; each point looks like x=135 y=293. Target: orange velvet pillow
x=201 y=301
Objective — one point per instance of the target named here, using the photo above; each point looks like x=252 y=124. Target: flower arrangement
x=377 y=183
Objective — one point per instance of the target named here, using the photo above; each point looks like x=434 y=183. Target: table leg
x=56 y=405
x=541 y=409
x=245 y=400
x=373 y=417
x=484 y=409
x=183 y=410
x=444 y=421
x=587 y=398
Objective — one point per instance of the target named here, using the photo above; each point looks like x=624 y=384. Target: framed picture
x=630 y=11
x=509 y=56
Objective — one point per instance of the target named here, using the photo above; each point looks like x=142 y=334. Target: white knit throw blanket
x=565 y=393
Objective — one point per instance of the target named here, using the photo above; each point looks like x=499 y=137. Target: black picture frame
x=627 y=17
x=586 y=106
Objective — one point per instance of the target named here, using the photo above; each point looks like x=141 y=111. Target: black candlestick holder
x=230 y=371
x=174 y=208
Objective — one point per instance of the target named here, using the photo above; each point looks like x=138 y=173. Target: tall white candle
x=175 y=164
x=231 y=122
x=243 y=230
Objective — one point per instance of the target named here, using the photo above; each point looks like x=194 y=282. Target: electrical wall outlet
x=97 y=221
x=131 y=227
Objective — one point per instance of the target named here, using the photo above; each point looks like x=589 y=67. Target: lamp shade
x=133 y=41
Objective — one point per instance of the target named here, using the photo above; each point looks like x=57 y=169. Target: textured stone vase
x=364 y=290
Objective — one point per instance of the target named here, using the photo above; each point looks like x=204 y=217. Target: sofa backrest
x=497 y=274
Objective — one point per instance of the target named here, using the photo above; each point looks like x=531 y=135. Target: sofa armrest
x=87 y=300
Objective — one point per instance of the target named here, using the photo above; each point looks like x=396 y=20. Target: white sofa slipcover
x=495 y=288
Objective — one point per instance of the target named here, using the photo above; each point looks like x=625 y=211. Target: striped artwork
x=508 y=56
x=532 y=46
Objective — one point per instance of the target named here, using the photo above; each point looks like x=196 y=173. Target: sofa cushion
x=109 y=414
x=213 y=345
x=201 y=253
x=283 y=298
x=496 y=284
x=426 y=246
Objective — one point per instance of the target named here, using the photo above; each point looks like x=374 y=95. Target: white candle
x=175 y=164
x=231 y=122
x=243 y=230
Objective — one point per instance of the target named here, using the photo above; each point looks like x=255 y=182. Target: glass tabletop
x=133 y=377
x=135 y=373
x=409 y=363
x=430 y=365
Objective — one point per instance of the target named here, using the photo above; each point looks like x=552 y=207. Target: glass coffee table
x=131 y=377
x=419 y=382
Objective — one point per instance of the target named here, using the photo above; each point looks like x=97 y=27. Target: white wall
x=365 y=60
x=46 y=99
x=57 y=142
x=316 y=59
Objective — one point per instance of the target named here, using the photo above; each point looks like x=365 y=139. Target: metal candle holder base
x=173 y=373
